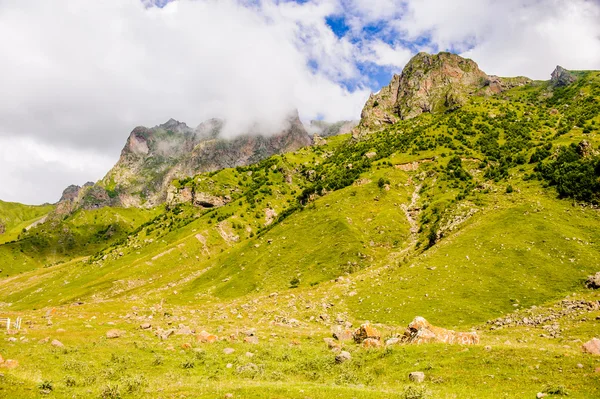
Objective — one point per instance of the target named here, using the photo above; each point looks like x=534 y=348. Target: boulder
x=57 y=343
x=342 y=357
x=10 y=364
x=421 y=331
x=417 y=376
x=592 y=346
x=111 y=334
x=371 y=343
x=206 y=337
x=343 y=334
x=145 y=326
x=392 y=341
x=593 y=281
x=253 y=339
x=365 y=331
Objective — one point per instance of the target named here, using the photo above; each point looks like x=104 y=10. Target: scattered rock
x=249 y=354
x=342 y=357
x=251 y=340
x=540 y=395
x=186 y=345
x=10 y=364
x=228 y=395
x=61 y=330
x=228 y=351
x=579 y=365
x=593 y=281
x=145 y=326
x=371 y=343
x=343 y=334
x=44 y=340
x=366 y=331
x=392 y=341
x=421 y=331
x=57 y=343
x=417 y=376
x=111 y=334
x=206 y=337
x=592 y=346
x=12 y=339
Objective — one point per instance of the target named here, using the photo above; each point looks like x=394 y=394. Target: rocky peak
x=429 y=83
x=70 y=193
x=561 y=77
x=153 y=157
x=174 y=126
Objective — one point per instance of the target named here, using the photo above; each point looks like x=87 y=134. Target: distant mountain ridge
x=153 y=157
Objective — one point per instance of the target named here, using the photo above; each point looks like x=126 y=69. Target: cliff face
x=429 y=83
x=153 y=157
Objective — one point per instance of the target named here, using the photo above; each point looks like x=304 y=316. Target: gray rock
x=57 y=343
x=593 y=282
x=228 y=351
x=145 y=326
x=342 y=357
x=417 y=376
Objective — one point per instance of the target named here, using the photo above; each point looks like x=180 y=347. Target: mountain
x=253 y=281
x=430 y=83
x=153 y=157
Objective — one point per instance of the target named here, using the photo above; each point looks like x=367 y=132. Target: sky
x=77 y=76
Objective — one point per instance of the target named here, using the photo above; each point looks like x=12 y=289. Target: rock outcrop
x=153 y=157
x=420 y=331
x=562 y=77
x=429 y=83
x=593 y=281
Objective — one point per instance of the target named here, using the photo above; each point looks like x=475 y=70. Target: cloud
x=78 y=75
x=81 y=74
x=30 y=170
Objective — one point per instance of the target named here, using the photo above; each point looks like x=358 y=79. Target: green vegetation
x=460 y=217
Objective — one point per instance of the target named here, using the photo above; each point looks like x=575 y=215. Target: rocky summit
x=447 y=246
x=153 y=157
x=430 y=83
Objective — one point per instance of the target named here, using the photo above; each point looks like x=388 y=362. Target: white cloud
x=33 y=172
x=78 y=75
x=82 y=74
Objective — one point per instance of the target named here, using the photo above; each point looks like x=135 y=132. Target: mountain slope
x=14 y=218
x=463 y=216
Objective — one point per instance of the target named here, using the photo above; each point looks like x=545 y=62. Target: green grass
x=16 y=217
x=475 y=252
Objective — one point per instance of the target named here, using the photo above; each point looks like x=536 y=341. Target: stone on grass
x=417 y=376
x=228 y=351
x=206 y=337
x=9 y=364
x=343 y=334
x=342 y=357
x=145 y=326
x=57 y=343
x=253 y=339
x=593 y=281
x=366 y=331
x=111 y=334
x=421 y=331
x=371 y=343
x=392 y=341
x=592 y=346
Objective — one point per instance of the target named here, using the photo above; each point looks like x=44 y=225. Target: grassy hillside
x=15 y=217
x=461 y=217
